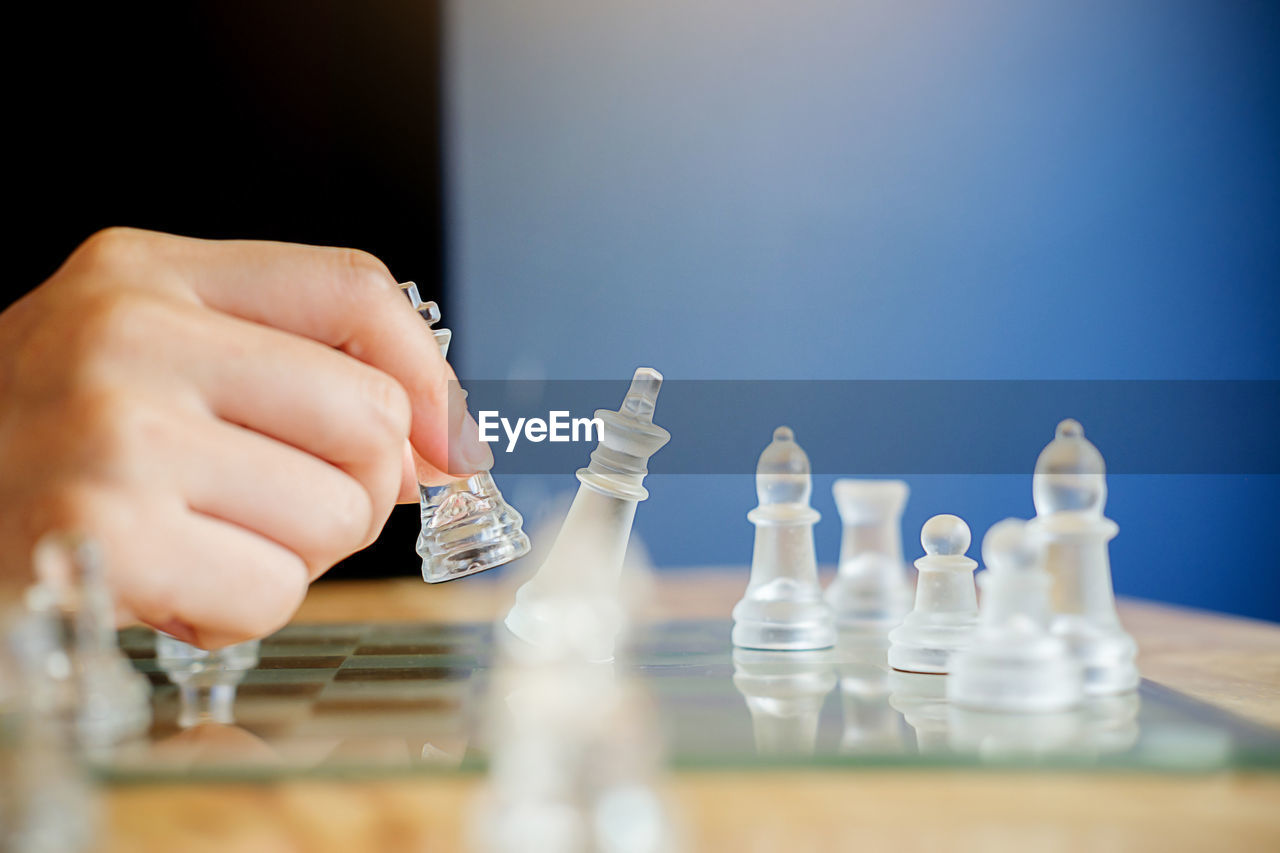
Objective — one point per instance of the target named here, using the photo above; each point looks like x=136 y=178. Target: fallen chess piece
x=783 y=608
x=587 y=557
x=467 y=526
x=946 y=610
x=870 y=591
x=1014 y=664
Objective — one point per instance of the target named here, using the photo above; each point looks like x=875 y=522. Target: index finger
x=346 y=299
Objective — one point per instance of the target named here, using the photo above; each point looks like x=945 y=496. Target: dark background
x=311 y=122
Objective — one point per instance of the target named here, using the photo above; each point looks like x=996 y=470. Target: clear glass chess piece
x=946 y=609
x=574 y=751
x=1070 y=492
x=1013 y=663
x=785 y=692
x=112 y=699
x=46 y=801
x=870 y=591
x=206 y=679
x=467 y=526
x=589 y=552
x=783 y=609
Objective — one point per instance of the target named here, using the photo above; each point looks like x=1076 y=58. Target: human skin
x=227 y=419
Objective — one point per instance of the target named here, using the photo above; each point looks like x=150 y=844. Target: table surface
x=1229 y=662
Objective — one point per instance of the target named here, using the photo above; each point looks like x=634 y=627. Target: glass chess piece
x=783 y=608
x=575 y=755
x=1013 y=663
x=46 y=800
x=207 y=680
x=467 y=526
x=112 y=699
x=1069 y=490
x=870 y=591
x=587 y=555
x=785 y=692
x=946 y=609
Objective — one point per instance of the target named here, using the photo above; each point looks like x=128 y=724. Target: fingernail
x=467 y=453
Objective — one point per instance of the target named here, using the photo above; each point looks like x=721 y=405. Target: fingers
x=299 y=392
x=202 y=579
x=223 y=583
x=313 y=509
x=347 y=300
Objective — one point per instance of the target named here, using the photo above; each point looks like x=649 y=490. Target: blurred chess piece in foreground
x=112 y=700
x=574 y=755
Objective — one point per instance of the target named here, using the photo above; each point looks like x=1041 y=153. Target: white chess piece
x=783 y=609
x=1070 y=491
x=1014 y=664
x=946 y=610
x=870 y=590
x=586 y=560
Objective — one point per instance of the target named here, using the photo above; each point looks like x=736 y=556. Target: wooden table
x=1229 y=662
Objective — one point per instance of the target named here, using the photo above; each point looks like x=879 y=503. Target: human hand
x=227 y=418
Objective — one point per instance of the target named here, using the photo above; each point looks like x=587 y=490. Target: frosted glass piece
x=1069 y=489
x=586 y=559
x=783 y=609
x=946 y=607
x=1014 y=664
x=870 y=591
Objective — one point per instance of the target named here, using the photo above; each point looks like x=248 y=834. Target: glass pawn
x=1069 y=490
x=587 y=557
x=467 y=526
x=946 y=609
x=1014 y=664
x=870 y=591
x=783 y=609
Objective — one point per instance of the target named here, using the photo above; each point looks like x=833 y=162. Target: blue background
x=840 y=190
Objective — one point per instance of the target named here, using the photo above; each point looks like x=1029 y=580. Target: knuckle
x=109 y=318
x=112 y=248
x=115 y=428
x=362 y=275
